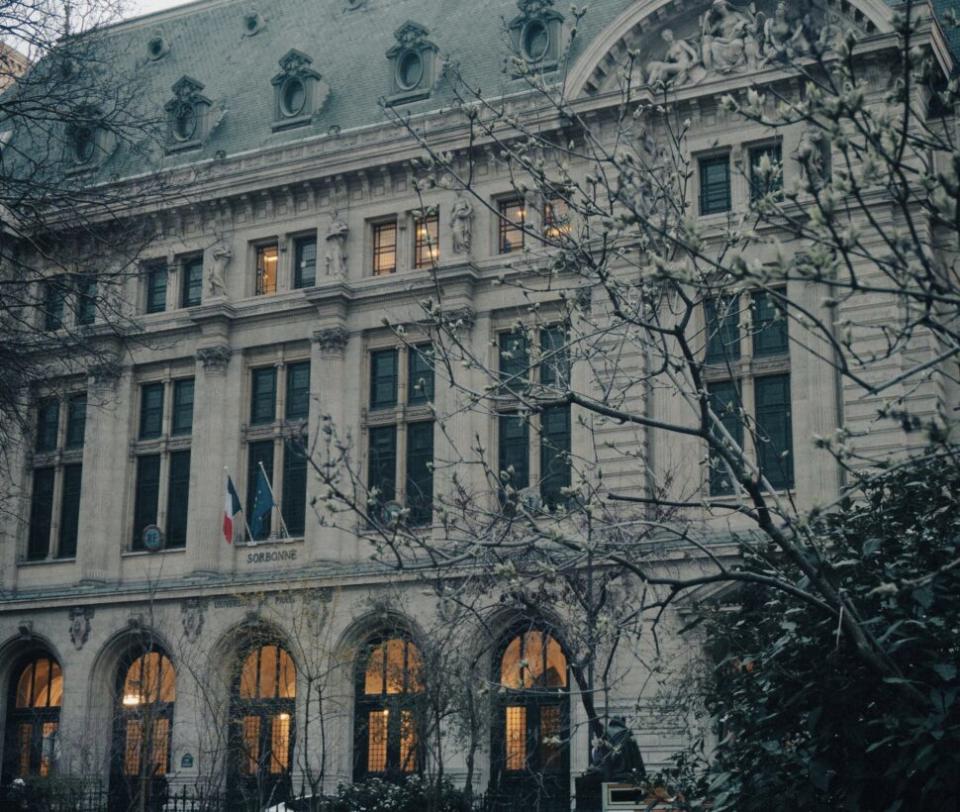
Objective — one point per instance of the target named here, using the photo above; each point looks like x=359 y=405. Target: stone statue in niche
x=461 y=222
x=337 y=247
x=677 y=63
x=782 y=38
x=216 y=281
x=727 y=37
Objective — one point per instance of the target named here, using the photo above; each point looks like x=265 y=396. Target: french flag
x=230 y=509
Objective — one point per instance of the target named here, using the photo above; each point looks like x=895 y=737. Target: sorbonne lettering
x=275 y=555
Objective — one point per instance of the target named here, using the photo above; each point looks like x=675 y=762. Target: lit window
x=267 y=258
x=384 y=248
x=510 y=226
x=33 y=718
x=426 y=246
x=556 y=219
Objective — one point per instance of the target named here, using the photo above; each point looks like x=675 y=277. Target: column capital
x=214 y=359
x=332 y=339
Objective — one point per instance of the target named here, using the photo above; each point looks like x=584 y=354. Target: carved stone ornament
x=216 y=280
x=413 y=59
x=187 y=118
x=80 y=617
x=25 y=629
x=337 y=247
x=459 y=317
x=461 y=224
x=299 y=93
x=536 y=33
x=332 y=339
x=192 y=616
x=214 y=359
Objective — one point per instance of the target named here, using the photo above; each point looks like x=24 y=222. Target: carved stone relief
x=461 y=223
x=80 y=617
x=214 y=359
x=192 y=616
x=216 y=281
x=332 y=339
x=337 y=247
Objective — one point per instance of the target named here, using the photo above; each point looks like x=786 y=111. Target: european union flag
x=262 y=506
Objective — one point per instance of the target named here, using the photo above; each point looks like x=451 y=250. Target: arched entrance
x=31 y=741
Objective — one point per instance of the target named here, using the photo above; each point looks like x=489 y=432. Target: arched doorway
x=142 y=731
x=388 y=712
x=531 y=724
x=262 y=707
x=31 y=742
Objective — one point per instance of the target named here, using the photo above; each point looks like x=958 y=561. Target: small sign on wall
x=186 y=763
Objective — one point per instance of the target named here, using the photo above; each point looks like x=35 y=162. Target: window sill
x=143 y=553
x=39 y=562
x=270 y=542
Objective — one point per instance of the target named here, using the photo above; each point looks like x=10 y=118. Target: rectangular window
x=70 y=511
x=257 y=453
x=722 y=319
x=151 y=411
x=267 y=258
x=419 y=483
x=178 y=497
x=420 y=374
x=191 y=292
x=554 y=357
x=298 y=391
x=383 y=379
x=54 y=299
x=514 y=360
x=725 y=402
x=426 y=243
x=556 y=219
x=48 y=425
x=514 y=451
x=305 y=259
x=766 y=171
x=294 y=503
x=554 y=454
x=715 y=184
x=86 y=300
x=774 y=430
x=76 y=420
x=182 y=407
x=384 y=248
x=510 y=228
x=156 y=288
x=383 y=462
x=769 y=325
x=263 y=399
x=146 y=497
x=41 y=514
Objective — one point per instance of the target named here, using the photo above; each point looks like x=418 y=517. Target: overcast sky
x=139 y=7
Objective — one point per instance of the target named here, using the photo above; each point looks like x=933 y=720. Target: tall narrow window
x=263 y=402
x=387 y=725
x=383 y=463
x=76 y=420
x=86 y=300
x=426 y=244
x=178 y=498
x=48 y=424
x=156 y=279
x=41 y=514
x=556 y=219
x=70 y=510
x=146 y=496
x=766 y=171
x=554 y=454
x=514 y=361
x=715 y=184
x=33 y=719
x=383 y=379
x=262 y=708
x=293 y=505
x=267 y=259
x=384 y=248
x=514 y=451
x=182 y=422
x=419 y=485
x=259 y=456
x=722 y=323
x=769 y=324
x=55 y=297
x=725 y=402
x=774 y=430
x=151 y=411
x=511 y=235
x=298 y=390
x=420 y=362
x=305 y=262
x=191 y=291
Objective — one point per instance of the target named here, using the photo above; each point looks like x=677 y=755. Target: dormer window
x=298 y=92
x=157 y=47
x=186 y=115
x=413 y=59
x=536 y=33
x=84 y=139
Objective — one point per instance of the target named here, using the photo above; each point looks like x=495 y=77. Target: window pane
x=408 y=742
x=510 y=676
x=377 y=722
x=86 y=300
x=556 y=665
x=554 y=357
x=151 y=410
x=305 y=270
x=514 y=451
x=280 y=743
x=192 y=292
x=294 y=500
x=259 y=452
x=25 y=687
x=396 y=665
x=514 y=361
x=56 y=685
x=515 y=739
x=288 y=676
x=48 y=424
x=267 y=688
x=512 y=220
x=251 y=744
x=714 y=184
x=267 y=256
x=55 y=296
x=556 y=219
x=420 y=472
x=76 y=420
x=722 y=319
x=178 y=496
x=157 y=289
x=554 y=454
x=70 y=511
x=133 y=741
x=725 y=402
x=161 y=746
x=248 y=675
x=41 y=682
x=48 y=744
x=383 y=379
x=41 y=514
x=147 y=495
x=183 y=392
x=769 y=325
x=298 y=391
x=383 y=462
x=426 y=241
x=761 y=182
x=263 y=402
x=384 y=248
x=420 y=379
x=774 y=430
x=551 y=730
x=373 y=676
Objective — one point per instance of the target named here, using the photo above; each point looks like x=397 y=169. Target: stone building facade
x=262 y=302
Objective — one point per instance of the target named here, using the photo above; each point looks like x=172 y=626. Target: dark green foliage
x=804 y=723
x=412 y=795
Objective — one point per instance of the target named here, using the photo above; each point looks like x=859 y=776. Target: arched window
x=143 y=726
x=389 y=687
x=531 y=723
x=262 y=707
x=33 y=718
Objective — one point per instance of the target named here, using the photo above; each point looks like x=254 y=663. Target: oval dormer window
x=536 y=41
x=293 y=96
x=185 y=122
x=409 y=70
x=84 y=144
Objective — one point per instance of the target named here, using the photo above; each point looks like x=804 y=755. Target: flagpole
x=273 y=499
x=247 y=526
